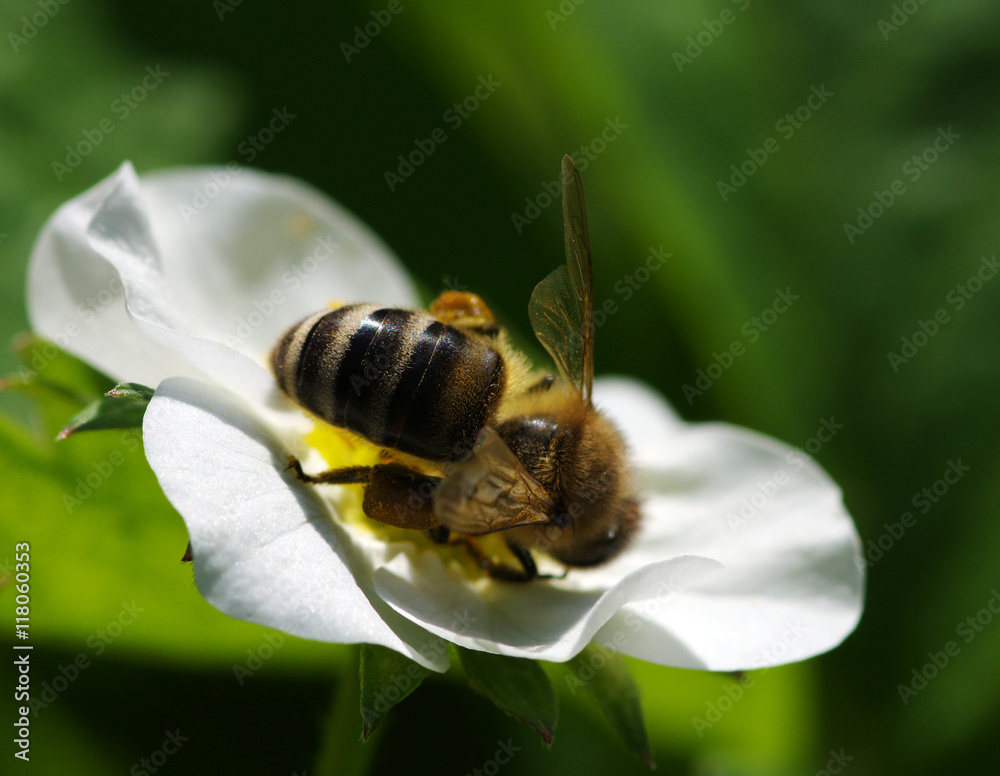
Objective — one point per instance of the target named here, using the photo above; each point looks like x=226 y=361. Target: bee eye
x=562 y=520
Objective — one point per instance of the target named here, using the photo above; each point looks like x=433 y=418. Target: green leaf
x=44 y=367
x=605 y=677
x=517 y=686
x=387 y=677
x=340 y=752
x=93 y=513
x=121 y=407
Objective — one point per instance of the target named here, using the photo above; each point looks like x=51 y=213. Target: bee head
x=582 y=544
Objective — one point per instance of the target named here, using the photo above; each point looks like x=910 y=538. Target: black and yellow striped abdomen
x=399 y=378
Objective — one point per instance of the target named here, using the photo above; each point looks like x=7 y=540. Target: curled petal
x=263 y=252
x=792 y=583
x=538 y=620
x=213 y=264
x=266 y=548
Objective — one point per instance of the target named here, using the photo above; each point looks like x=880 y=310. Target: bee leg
x=395 y=495
x=399 y=496
x=524 y=556
x=439 y=534
x=489 y=566
x=501 y=570
x=350 y=475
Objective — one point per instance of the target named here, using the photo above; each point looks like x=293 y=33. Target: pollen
x=340 y=448
x=301 y=224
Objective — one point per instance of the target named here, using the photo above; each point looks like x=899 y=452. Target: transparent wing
x=562 y=305
x=490 y=491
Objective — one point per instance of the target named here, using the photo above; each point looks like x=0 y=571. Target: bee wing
x=562 y=305
x=490 y=491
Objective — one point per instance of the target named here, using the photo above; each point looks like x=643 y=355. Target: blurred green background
x=696 y=89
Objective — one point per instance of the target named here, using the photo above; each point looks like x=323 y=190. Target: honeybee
x=476 y=442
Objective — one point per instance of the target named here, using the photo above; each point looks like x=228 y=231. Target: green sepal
x=135 y=391
x=121 y=407
x=604 y=675
x=387 y=677
x=518 y=686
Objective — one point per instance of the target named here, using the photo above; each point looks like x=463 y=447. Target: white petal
x=266 y=548
x=640 y=413
x=793 y=581
x=76 y=297
x=263 y=253
x=538 y=620
x=209 y=290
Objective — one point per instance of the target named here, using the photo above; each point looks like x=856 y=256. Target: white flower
x=185 y=280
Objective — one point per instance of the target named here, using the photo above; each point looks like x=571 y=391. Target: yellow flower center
x=341 y=449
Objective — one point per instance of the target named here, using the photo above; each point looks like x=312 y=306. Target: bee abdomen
x=399 y=378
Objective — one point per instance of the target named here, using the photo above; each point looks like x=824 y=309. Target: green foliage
x=387 y=677
x=97 y=508
x=606 y=678
x=121 y=407
x=51 y=100
x=518 y=687
x=565 y=70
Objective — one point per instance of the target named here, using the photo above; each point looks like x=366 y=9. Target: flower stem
x=342 y=752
